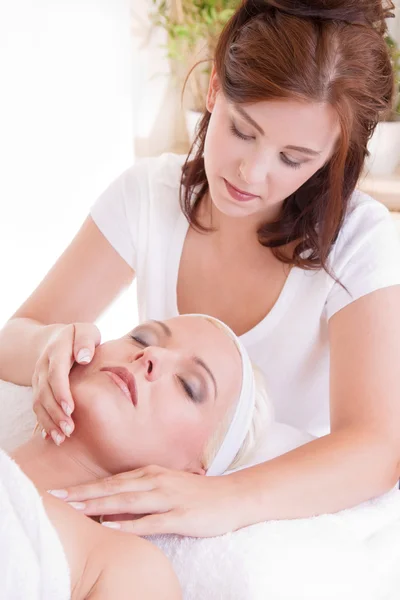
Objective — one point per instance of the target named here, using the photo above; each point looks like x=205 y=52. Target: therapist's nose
x=156 y=362
x=253 y=171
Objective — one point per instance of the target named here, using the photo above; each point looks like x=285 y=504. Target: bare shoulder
x=105 y=563
x=131 y=567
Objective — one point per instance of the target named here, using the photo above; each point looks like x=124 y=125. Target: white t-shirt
x=140 y=216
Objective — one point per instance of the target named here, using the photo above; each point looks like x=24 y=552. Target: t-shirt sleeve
x=367 y=258
x=117 y=212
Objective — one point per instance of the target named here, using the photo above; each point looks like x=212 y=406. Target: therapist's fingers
x=47 y=424
x=157 y=524
x=57 y=379
x=44 y=399
x=110 y=486
x=128 y=502
x=87 y=337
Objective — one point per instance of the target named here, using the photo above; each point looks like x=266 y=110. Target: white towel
x=352 y=555
x=32 y=561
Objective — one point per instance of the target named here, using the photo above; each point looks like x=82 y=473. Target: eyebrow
x=201 y=363
x=248 y=118
x=163 y=326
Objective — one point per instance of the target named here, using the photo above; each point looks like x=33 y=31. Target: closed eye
x=139 y=340
x=239 y=134
x=290 y=163
x=189 y=391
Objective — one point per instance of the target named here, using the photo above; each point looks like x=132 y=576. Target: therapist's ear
x=213 y=89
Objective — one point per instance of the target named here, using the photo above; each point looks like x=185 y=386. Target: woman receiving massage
x=180 y=394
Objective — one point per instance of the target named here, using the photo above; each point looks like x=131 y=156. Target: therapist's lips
x=124 y=379
x=238 y=194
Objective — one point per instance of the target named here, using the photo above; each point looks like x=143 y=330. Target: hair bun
x=357 y=12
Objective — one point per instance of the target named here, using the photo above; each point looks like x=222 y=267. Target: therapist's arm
x=360 y=458
x=81 y=284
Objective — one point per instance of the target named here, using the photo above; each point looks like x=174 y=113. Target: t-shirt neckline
x=263 y=327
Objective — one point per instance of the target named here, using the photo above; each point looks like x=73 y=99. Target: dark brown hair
x=316 y=50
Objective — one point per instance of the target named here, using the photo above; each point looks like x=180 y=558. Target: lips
x=125 y=381
x=238 y=194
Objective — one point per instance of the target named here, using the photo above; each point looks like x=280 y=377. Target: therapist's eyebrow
x=164 y=327
x=202 y=364
x=248 y=118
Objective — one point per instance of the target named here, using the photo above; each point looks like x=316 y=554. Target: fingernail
x=66 y=408
x=44 y=434
x=62 y=494
x=111 y=525
x=77 y=505
x=57 y=438
x=84 y=356
x=66 y=427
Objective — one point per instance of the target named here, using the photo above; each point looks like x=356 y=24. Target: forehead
x=291 y=122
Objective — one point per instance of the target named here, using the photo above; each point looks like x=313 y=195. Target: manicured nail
x=66 y=408
x=84 y=356
x=57 y=438
x=77 y=505
x=111 y=524
x=44 y=434
x=66 y=428
x=62 y=494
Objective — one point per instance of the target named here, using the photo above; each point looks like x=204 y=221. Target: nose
x=254 y=169
x=155 y=362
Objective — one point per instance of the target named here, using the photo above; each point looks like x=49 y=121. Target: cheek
x=104 y=424
x=185 y=431
x=219 y=143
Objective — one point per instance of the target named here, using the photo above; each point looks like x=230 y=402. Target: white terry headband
x=243 y=414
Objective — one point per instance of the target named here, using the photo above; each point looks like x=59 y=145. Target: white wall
x=158 y=117
x=65 y=123
x=394 y=24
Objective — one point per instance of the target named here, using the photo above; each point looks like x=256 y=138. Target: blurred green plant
x=193 y=26
x=394 y=51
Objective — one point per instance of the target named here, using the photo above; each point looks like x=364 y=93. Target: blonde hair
x=262 y=418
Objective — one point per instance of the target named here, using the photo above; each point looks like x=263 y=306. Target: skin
x=218 y=275
x=178 y=409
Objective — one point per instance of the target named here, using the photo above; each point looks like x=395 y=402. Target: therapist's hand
x=172 y=502
x=52 y=398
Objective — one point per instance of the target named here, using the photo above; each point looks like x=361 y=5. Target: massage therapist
x=260 y=226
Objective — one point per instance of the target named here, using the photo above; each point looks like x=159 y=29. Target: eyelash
x=247 y=138
x=186 y=387
x=137 y=339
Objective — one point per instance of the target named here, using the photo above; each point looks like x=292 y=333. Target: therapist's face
x=156 y=395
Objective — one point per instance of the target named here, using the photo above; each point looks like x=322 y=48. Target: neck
x=52 y=467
